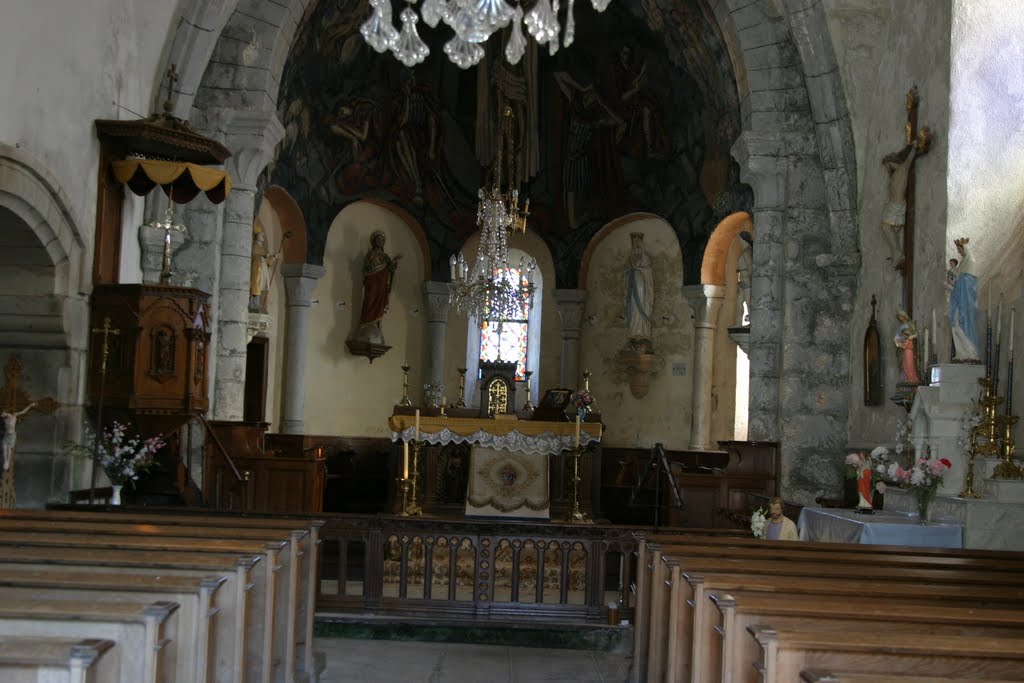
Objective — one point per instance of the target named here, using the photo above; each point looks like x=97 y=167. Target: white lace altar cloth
x=521 y=436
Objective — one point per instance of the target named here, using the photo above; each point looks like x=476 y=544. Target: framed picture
x=552 y=407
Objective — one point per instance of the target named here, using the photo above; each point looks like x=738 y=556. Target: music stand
x=658 y=465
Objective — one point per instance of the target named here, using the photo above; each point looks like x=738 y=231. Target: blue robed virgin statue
x=963 y=306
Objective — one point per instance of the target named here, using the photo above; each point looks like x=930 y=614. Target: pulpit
x=156 y=345
x=511 y=470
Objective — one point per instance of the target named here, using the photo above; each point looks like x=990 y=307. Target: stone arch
x=290 y=215
x=712 y=268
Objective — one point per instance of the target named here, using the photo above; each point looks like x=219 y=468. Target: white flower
x=880 y=452
x=758 y=523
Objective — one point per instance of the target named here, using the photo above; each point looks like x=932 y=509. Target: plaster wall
x=345 y=394
x=68 y=63
x=914 y=50
x=986 y=129
x=664 y=414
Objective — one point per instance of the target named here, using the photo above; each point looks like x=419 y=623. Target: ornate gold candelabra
x=413 y=509
x=528 y=406
x=405 y=386
x=576 y=515
x=461 y=403
x=1008 y=469
x=403 y=487
x=984 y=438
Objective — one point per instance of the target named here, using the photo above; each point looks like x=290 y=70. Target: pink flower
x=853 y=459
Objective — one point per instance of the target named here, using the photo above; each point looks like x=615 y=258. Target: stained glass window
x=506 y=338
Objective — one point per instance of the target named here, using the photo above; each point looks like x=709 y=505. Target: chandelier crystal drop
x=490 y=288
x=474 y=22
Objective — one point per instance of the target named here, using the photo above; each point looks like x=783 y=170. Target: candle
x=999 y=322
x=405 y=460
x=988 y=305
x=1013 y=312
x=577 y=430
x=417 y=424
x=935 y=328
x=452 y=262
x=925 y=356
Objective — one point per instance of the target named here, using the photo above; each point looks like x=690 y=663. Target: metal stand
x=107 y=330
x=576 y=515
x=658 y=466
x=405 y=386
x=413 y=509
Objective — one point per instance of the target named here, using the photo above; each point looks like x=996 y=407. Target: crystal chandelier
x=474 y=21
x=493 y=289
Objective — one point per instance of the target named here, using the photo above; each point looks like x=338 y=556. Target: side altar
x=509 y=470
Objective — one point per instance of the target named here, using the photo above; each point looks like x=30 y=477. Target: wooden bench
x=308 y=550
x=846 y=677
x=788 y=652
x=189 y=648
x=233 y=619
x=738 y=651
x=660 y=594
x=139 y=629
x=58 y=660
x=263 y=646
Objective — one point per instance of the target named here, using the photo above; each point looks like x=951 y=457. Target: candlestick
x=1009 y=381
x=935 y=330
x=924 y=358
x=1013 y=312
x=405 y=460
x=999 y=321
x=577 y=430
x=417 y=424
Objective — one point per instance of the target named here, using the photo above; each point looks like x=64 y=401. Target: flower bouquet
x=758 y=523
x=582 y=400
x=923 y=480
x=122 y=456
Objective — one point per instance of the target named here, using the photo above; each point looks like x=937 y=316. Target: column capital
x=299 y=282
x=706 y=301
x=571 y=305
x=764 y=165
x=251 y=136
x=435 y=298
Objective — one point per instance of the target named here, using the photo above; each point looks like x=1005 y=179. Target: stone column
x=571 y=305
x=299 y=282
x=435 y=299
x=251 y=136
x=706 y=301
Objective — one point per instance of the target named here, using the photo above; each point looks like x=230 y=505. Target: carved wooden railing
x=462 y=571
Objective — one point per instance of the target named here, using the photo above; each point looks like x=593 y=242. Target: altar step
x=595 y=637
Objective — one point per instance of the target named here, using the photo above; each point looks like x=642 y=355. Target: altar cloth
x=880 y=528
x=506 y=483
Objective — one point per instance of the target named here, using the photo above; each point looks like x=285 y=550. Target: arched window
x=516 y=338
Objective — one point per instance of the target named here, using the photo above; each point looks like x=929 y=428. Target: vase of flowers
x=582 y=400
x=923 y=480
x=122 y=455
x=758 y=523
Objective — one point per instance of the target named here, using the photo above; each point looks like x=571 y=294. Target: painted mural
x=637 y=115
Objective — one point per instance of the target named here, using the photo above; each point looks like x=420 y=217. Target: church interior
x=407 y=329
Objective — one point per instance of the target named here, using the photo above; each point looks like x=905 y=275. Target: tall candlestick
x=405 y=460
x=577 y=430
x=999 y=321
x=417 y=424
x=1013 y=311
x=924 y=357
x=935 y=331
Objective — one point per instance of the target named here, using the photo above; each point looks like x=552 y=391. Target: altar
x=880 y=528
x=509 y=471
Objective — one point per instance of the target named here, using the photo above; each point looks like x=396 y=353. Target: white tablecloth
x=882 y=528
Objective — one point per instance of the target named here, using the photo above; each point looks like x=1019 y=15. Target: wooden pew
x=189 y=648
x=308 y=550
x=738 y=651
x=233 y=620
x=288 y=594
x=260 y=660
x=787 y=652
x=815 y=676
x=58 y=660
x=690 y=611
x=139 y=629
x=668 y=595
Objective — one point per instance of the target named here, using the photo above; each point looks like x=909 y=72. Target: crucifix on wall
x=14 y=405
x=898 y=215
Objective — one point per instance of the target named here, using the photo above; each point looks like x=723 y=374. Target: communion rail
x=461 y=570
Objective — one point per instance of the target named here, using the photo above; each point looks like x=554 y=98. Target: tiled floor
x=394 y=661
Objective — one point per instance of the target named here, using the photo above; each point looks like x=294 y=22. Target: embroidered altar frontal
x=507 y=483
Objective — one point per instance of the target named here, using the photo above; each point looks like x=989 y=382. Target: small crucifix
x=898 y=215
x=167 y=225
x=106 y=331
x=15 y=404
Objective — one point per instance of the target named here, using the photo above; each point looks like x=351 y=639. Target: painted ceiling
x=638 y=115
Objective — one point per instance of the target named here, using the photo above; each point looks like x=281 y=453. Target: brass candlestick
x=528 y=406
x=577 y=516
x=403 y=486
x=462 y=389
x=405 y=386
x=414 y=509
x=1008 y=469
x=984 y=439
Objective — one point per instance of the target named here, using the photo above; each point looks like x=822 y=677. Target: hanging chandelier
x=491 y=288
x=474 y=21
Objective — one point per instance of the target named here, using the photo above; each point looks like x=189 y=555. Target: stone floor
x=352 y=660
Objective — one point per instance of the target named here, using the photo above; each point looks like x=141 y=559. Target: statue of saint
x=639 y=302
x=743 y=263
x=963 y=305
x=906 y=334
x=378 y=277
x=262 y=262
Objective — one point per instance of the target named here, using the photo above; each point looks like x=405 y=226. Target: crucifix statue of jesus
x=14 y=404
x=898 y=214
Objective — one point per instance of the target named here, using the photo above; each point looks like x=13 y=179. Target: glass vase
x=115 y=497
x=923 y=508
